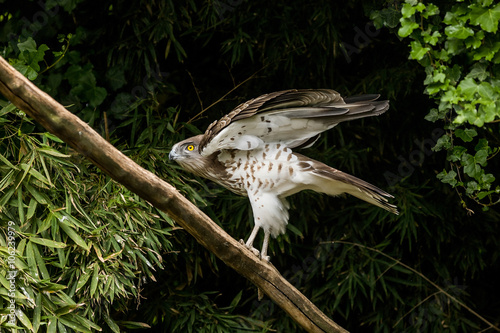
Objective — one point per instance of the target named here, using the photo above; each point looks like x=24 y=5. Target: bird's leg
x=265 y=244
x=249 y=243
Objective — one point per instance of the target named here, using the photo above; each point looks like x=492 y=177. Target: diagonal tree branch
x=57 y=120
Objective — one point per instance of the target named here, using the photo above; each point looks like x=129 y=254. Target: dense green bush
x=458 y=45
x=91 y=255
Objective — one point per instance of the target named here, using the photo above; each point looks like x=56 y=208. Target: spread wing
x=294 y=118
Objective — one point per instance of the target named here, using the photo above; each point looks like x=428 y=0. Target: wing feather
x=290 y=117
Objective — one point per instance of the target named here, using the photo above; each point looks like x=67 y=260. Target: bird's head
x=187 y=154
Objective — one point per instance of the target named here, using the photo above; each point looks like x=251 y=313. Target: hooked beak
x=172 y=155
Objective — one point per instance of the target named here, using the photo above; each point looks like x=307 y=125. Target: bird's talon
x=266 y=258
x=255 y=251
x=251 y=248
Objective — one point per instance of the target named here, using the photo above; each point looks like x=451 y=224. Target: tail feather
x=340 y=182
x=361 y=109
x=358 y=188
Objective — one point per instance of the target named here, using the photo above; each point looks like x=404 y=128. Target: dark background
x=147 y=63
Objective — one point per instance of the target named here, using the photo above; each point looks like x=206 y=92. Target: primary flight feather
x=249 y=151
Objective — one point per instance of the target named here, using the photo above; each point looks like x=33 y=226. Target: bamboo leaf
x=40 y=197
x=40 y=262
x=83 y=280
x=65 y=298
x=95 y=280
x=4 y=282
x=24 y=319
x=31 y=209
x=35 y=173
x=112 y=255
x=7 y=179
x=53 y=287
x=68 y=309
x=26 y=168
x=7 y=109
x=20 y=205
x=30 y=258
x=73 y=234
x=52 y=152
x=66 y=320
x=114 y=327
x=133 y=325
x=52 y=137
x=47 y=242
x=6 y=198
x=37 y=312
x=87 y=323
x=111 y=280
x=52 y=326
x=45 y=170
x=47 y=223
x=6 y=161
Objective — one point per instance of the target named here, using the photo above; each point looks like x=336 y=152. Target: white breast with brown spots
x=266 y=176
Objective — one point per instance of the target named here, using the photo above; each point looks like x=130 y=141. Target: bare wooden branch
x=57 y=120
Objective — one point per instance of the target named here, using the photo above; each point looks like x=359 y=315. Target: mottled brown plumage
x=249 y=151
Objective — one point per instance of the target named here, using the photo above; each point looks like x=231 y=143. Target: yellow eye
x=190 y=147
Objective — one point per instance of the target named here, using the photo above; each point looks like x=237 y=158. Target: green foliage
x=29 y=58
x=91 y=255
x=457 y=43
x=82 y=241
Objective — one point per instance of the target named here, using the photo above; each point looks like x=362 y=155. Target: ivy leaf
x=418 y=51
x=407 y=27
x=431 y=39
x=471 y=168
x=479 y=71
x=96 y=95
x=30 y=56
x=444 y=142
x=459 y=31
x=487 y=18
x=487 y=92
x=466 y=135
x=488 y=178
x=431 y=10
x=490 y=111
x=408 y=10
x=448 y=177
x=116 y=77
x=456 y=153
x=472 y=186
x=481 y=157
x=455 y=46
x=85 y=85
x=482 y=144
x=487 y=51
x=468 y=87
x=482 y=195
x=435 y=115
x=386 y=17
x=475 y=41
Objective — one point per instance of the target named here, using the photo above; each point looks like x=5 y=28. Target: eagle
x=250 y=151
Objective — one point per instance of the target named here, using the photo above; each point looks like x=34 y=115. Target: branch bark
x=57 y=120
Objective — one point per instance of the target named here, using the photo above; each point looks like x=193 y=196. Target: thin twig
x=106 y=130
x=196 y=90
x=423 y=277
x=416 y=306
x=58 y=59
x=224 y=96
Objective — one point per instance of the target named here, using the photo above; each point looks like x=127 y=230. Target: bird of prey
x=249 y=151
